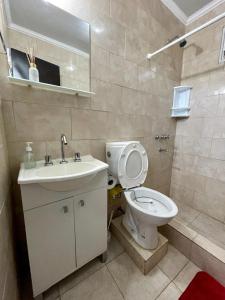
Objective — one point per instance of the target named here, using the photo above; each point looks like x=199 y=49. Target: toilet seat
x=132 y=165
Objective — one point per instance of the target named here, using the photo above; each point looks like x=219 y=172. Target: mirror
x=47 y=44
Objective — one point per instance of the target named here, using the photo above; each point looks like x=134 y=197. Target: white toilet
x=147 y=208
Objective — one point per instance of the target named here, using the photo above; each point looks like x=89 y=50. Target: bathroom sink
x=62 y=177
x=64 y=171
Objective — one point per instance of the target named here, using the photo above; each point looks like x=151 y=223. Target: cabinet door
x=51 y=243
x=90 y=225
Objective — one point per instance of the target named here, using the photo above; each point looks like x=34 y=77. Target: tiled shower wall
x=8 y=278
x=198 y=177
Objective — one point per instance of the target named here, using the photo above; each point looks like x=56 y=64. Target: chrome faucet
x=63 y=142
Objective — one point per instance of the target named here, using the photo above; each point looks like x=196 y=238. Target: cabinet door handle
x=82 y=203
x=65 y=209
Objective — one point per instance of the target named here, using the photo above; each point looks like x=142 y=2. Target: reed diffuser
x=33 y=71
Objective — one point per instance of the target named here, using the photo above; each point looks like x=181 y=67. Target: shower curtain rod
x=212 y=21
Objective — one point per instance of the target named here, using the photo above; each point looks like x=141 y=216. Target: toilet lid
x=132 y=165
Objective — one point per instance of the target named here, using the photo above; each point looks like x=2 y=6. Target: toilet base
x=144 y=259
x=144 y=234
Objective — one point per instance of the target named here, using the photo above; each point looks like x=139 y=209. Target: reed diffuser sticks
x=33 y=71
x=31 y=55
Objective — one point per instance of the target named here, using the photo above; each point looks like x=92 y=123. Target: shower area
x=198 y=168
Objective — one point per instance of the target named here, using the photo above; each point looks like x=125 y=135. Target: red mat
x=204 y=287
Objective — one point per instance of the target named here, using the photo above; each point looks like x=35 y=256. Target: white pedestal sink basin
x=62 y=177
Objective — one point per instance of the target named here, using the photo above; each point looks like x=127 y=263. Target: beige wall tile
x=99 y=63
x=196 y=145
x=108 y=96
x=124 y=12
x=36 y=122
x=186 y=214
x=182 y=194
x=136 y=47
x=214 y=208
x=88 y=124
x=8 y=276
x=221 y=105
x=108 y=34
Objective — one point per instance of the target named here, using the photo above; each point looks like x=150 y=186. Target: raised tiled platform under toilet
x=144 y=259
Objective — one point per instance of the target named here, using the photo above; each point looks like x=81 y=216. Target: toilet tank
x=113 y=153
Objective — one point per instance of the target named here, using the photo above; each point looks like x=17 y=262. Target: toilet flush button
x=134 y=146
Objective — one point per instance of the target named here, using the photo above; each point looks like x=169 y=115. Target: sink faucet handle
x=77 y=156
x=48 y=160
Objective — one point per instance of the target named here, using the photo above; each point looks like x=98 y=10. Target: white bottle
x=29 y=161
x=33 y=73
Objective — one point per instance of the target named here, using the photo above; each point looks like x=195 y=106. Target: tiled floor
x=119 y=278
x=202 y=224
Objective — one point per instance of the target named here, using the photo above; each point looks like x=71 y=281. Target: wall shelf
x=49 y=87
x=181 y=102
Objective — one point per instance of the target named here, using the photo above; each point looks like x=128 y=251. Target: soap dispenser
x=29 y=161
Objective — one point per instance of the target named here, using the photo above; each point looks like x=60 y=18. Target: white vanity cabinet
x=64 y=230
x=90 y=226
x=51 y=242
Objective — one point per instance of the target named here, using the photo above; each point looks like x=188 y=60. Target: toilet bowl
x=146 y=208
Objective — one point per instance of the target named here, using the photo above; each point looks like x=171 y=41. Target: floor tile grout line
x=190 y=223
x=61 y=294
x=158 y=264
x=183 y=267
x=108 y=262
x=170 y=280
x=111 y=275
x=179 y=273
x=177 y=287
x=162 y=272
x=115 y=282
x=163 y=290
x=103 y=265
